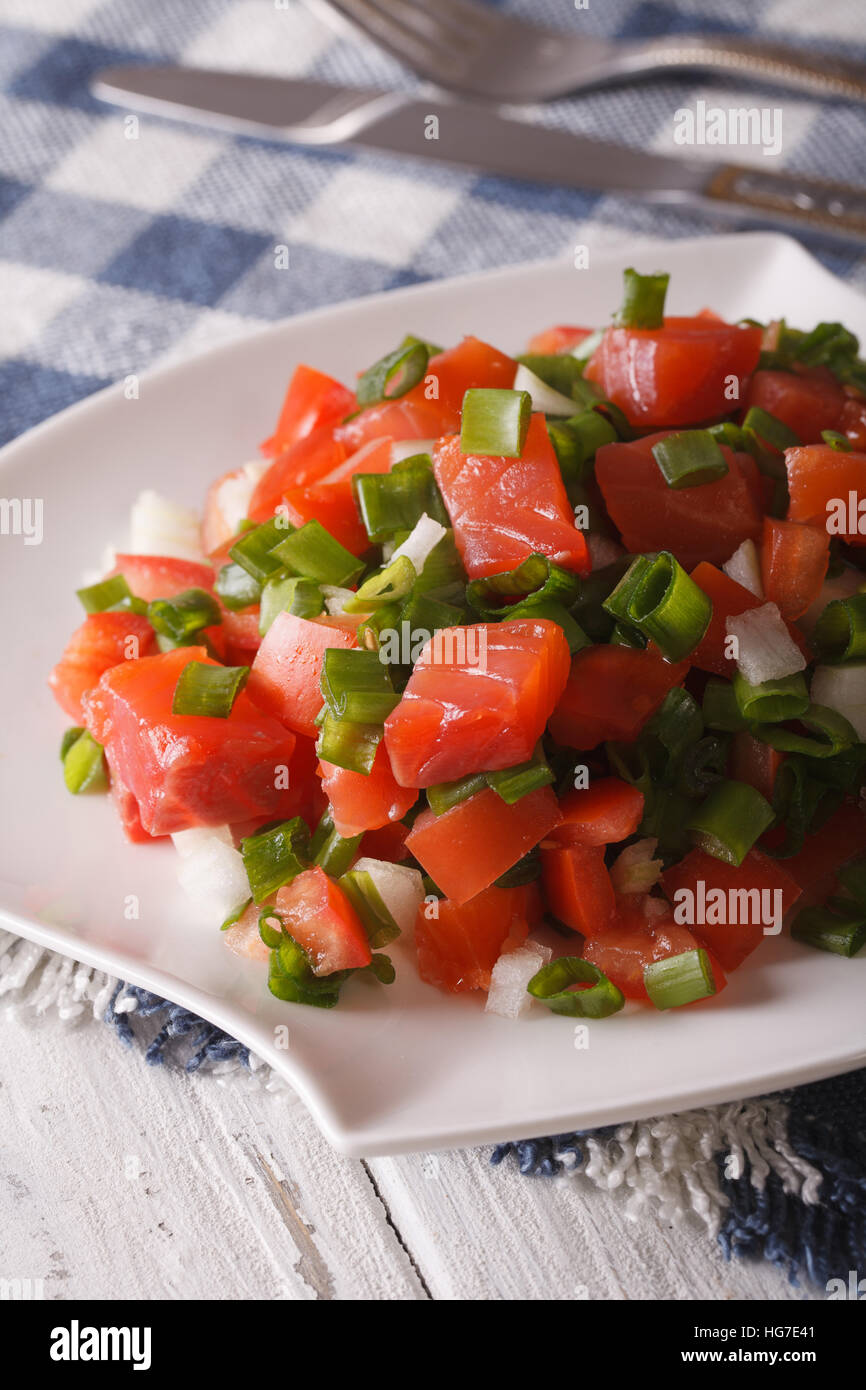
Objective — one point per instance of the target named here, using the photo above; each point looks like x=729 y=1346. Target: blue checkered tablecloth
x=116 y=254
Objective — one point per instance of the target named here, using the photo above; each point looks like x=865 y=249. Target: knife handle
x=816 y=203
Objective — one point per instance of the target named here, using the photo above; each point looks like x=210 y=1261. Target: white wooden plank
x=122 y=1181
x=482 y=1233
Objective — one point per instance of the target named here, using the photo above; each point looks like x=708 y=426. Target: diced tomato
x=334 y=506
x=312 y=400
x=388 y=842
x=577 y=887
x=678 y=374
x=794 y=560
x=823 y=482
x=218 y=528
x=318 y=915
x=756 y=882
x=611 y=693
x=561 y=338
x=126 y=807
x=623 y=953
x=807 y=402
x=729 y=599
x=478 y=699
x=852 y=421
x=754 y=762
x=824 y=853
x=432 y=407
x=244 y=938
x=459 y=945
x=503 y=509
x=240 y=629
x=162 y=576
x=360 y=802
x=307 y=461
x=697 y=523
x=102 y=641
x=187 y=770
x=467 y=848
x=605 y=812
x=284 y=678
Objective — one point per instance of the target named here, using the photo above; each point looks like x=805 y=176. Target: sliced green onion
x=271 y=936
x=108 y=593
x=576 y=441
x=84 y=765
x=443 y=797
x=208 y=691
x=728 y=433
x=274 y=856
x=330 y=850
x=842 y=933
x=394 y=374
x=71 y=736
x=356 y=686
x=771 y=430
x=347 y=744
x=388 y=586
x=558 y=370
x=423 y=613
x=771 y=702
x=536 y=579
x=370 y=907
x=236 y=915
x=840 y=632
x=834 y=734
x=395 y=501
x=495 y=421
x=433 y=349
x=837 y=441
x=555 y=613
x=668 y=607
x=702 y=765
x=678 y=723
x=512 y=783
x=443 y=572
x=619 y=599
x=678 y=980
x=690 y=459
x=729 y=822
x=313 y=552
x=643 y=301
x=290 y=594
x=526 y=870
x=254 y=550
x=551 y=986
x=184 y=615
x=237 y=588
x=852 y=879
x=381 y=968
x=291 y=978
x=802 y=802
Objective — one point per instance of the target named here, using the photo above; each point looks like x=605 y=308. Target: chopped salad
x=555 y=662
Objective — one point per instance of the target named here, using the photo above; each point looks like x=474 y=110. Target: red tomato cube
x=284 y=679
x=611 y=693
x=730 y=941
x=360 y=802
x=478 y=700
x=577 y=887
x=318 y=915
x=459 y=943
x=103 y=640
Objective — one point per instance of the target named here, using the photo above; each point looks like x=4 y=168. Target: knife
x=479 y=137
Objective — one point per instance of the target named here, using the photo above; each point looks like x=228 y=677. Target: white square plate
x=403 y=1068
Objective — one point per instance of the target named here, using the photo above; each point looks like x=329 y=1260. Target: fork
x=472 y=49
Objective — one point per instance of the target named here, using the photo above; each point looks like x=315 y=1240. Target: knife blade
x=465 y=135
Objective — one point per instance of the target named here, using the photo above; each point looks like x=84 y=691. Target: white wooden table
x=124 y=1181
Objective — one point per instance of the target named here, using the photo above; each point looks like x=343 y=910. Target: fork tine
x=392 y=34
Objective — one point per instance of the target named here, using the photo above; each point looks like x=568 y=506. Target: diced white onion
x=544 y=398
x=187 y=842
x=158 y=526
x=233 y=496
x=336 y=599
x=843 y=688
x=400 y=888
x=408 y=448
x=744 y=567
x=635 y=870
x=214 y=878
x=507 y=995
x=766 y=650
x=424 y=537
